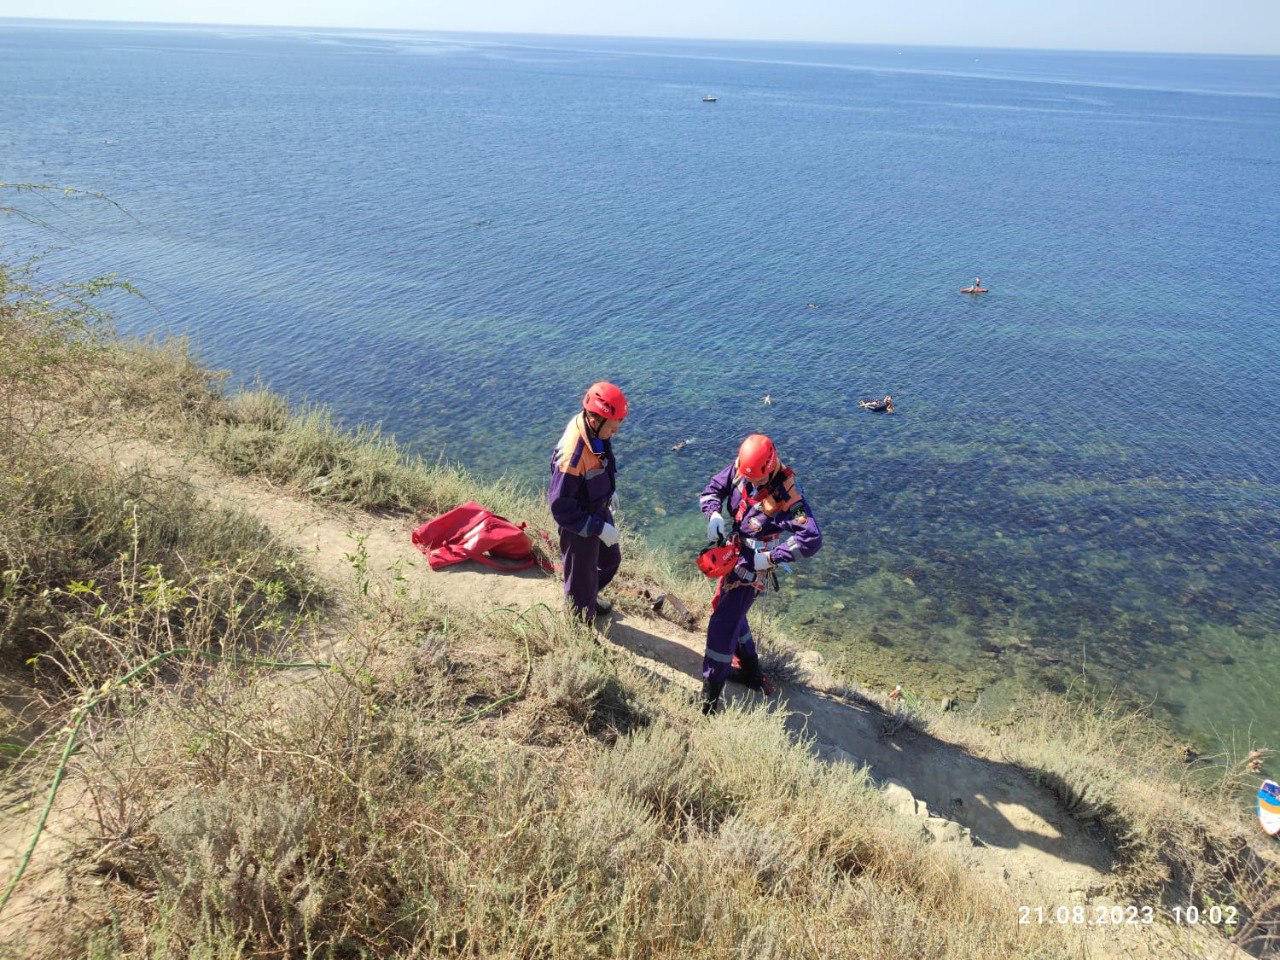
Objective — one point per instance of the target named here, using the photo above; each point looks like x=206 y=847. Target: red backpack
x=470 y=532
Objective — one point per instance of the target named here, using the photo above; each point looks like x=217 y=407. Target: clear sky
x=1197 y=26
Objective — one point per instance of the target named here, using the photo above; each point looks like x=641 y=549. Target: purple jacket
x=583 y=478
x=780 y=522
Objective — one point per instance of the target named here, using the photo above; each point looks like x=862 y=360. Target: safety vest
x=576 y=457
x=778 y=497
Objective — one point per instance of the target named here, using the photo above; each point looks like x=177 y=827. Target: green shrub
x=89 y=554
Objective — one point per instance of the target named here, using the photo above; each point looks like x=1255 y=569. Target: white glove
x=609 y=535
x=715 y=527
x=613 y=504
x=762 y=561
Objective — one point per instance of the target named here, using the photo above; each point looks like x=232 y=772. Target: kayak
x=974 y=290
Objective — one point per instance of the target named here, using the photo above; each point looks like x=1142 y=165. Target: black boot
x=748 y=671
x=711 y=696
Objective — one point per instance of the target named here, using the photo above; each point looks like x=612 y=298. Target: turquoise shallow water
x=454 y=234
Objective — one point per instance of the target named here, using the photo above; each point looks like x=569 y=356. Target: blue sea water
x=454 y=234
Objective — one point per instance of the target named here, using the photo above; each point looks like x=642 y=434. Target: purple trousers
x=728 y=633
x=588 y=567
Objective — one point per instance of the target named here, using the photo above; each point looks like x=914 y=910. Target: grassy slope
x=370 y=812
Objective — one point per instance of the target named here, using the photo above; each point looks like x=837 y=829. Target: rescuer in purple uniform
x=583 y=497
x=755 y=498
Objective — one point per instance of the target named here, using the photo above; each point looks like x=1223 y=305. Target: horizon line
x=628 y=36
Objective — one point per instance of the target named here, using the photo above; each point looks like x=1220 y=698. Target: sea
x=453 y=234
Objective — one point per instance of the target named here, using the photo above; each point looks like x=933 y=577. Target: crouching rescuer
x=583 y=497
x=756 y=511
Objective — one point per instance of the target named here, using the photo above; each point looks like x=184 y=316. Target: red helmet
x=757 y=458
x=717 y=561
x=605 y=399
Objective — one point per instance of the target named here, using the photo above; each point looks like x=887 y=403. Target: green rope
x=81 y=714
x=524 y=682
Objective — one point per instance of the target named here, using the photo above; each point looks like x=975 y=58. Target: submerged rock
x=879 y=639
x=1054 y=684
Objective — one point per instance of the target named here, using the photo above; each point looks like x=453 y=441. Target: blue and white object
x=1269 y=807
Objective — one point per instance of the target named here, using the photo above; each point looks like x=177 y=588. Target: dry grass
x=356 y=817
x=160 y=387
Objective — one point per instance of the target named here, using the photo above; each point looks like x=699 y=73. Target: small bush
x=236 y=861
x=572 y=683
x=780 y=661
x=51 y=334
x=656 y=767
x=144 y=384
x=261 y=408
x=772 y=854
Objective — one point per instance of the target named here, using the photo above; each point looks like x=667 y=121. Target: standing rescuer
x=771 y=523
x=583 y=497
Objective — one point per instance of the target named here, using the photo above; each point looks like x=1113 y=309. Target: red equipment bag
x=470 y=532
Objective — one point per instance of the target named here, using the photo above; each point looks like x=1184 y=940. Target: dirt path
x=985 y=813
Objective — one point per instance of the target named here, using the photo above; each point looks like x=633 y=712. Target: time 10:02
x=1216 y=915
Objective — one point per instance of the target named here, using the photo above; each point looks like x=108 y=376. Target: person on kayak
x=583 y=495
x=977 y=283
x=773 y=525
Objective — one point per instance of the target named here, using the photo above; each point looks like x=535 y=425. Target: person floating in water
x=878 y=406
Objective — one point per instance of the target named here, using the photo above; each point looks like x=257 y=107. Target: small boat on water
x=708 y=98
x=974 y=290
